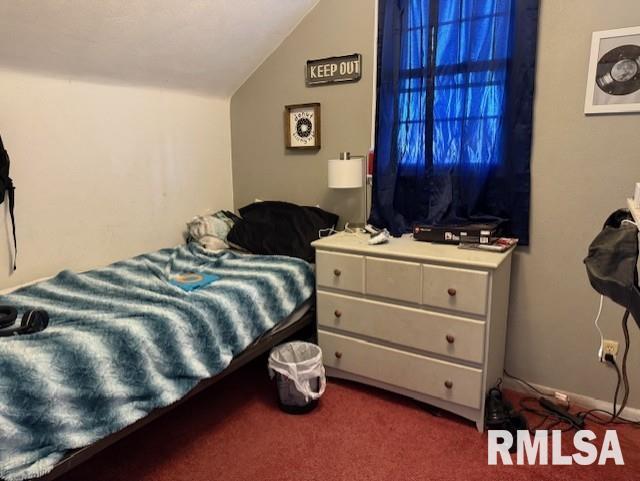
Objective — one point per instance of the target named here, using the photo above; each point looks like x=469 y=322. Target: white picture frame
x=608 y=82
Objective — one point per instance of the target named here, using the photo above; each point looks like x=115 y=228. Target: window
x=451 y=101
x=454 y=113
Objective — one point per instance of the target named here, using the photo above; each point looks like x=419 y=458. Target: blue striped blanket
x=123 y=341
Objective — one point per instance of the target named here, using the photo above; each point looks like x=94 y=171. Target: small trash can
x=299 y=374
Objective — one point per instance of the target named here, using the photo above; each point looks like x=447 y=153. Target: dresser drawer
x=444 y=380
x=393 y=279
x=439 y=333
x=462 y=290
x=340 y=271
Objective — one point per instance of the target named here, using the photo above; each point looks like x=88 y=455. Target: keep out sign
x=347 y=68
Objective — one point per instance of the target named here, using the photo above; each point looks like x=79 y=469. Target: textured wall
x=582 y=168
x=104 y=173
x=262 y=167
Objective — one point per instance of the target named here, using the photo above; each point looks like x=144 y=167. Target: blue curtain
x=454 y=113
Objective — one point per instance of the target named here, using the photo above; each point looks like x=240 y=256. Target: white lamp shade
x=345 y=174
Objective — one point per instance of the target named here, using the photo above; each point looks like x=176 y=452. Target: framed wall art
x=613 y=83
x=302 y=126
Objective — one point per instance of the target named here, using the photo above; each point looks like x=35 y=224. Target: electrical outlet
x=610 y=347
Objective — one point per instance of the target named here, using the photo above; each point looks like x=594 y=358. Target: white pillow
x=212 y=243
x=210 y=232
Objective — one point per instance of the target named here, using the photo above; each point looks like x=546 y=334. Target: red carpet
x=235 y=431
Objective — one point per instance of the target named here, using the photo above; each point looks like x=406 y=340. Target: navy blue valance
x=454 y=113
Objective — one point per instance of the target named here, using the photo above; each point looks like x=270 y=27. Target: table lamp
x=349 y=173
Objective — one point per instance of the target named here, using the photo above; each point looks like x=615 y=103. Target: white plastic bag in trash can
x=301 y=363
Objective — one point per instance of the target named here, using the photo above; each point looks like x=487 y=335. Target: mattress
x=123 y=341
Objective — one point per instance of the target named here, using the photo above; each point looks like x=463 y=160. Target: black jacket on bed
x=280 y=228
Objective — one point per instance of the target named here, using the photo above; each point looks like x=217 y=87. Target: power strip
x=561 y=412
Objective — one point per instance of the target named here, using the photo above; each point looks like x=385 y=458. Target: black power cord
x=550 y=419
x=614 y=417
x=604 y=422
x=627 y=342
x=548 y=412
x=525 y=383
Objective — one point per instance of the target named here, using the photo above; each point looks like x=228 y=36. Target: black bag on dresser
x=6 y=187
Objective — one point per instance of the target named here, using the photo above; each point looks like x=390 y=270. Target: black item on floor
x=612 y=262
x=561 y=413
x=299 y=375
x=6 y=187
x=280 y=228
x=499 y=414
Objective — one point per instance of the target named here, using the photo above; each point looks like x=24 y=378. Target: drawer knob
x=448 y=384
x=337 y=272
x=337 y=313
x=338 y=355
x=450 y=339
x=451 y=291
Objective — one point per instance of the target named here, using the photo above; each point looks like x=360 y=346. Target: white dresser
x=421 y=319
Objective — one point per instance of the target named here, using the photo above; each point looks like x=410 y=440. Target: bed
x=124 y=345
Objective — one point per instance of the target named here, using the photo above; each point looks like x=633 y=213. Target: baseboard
x=575 y=398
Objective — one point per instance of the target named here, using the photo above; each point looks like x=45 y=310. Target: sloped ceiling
x=210 y=46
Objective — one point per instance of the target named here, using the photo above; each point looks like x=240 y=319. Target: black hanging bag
x=6 y=187
x=612 y=262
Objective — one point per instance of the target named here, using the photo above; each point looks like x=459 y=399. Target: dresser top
x=406 y=247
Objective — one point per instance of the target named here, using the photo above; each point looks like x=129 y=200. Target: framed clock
x=302 y=126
